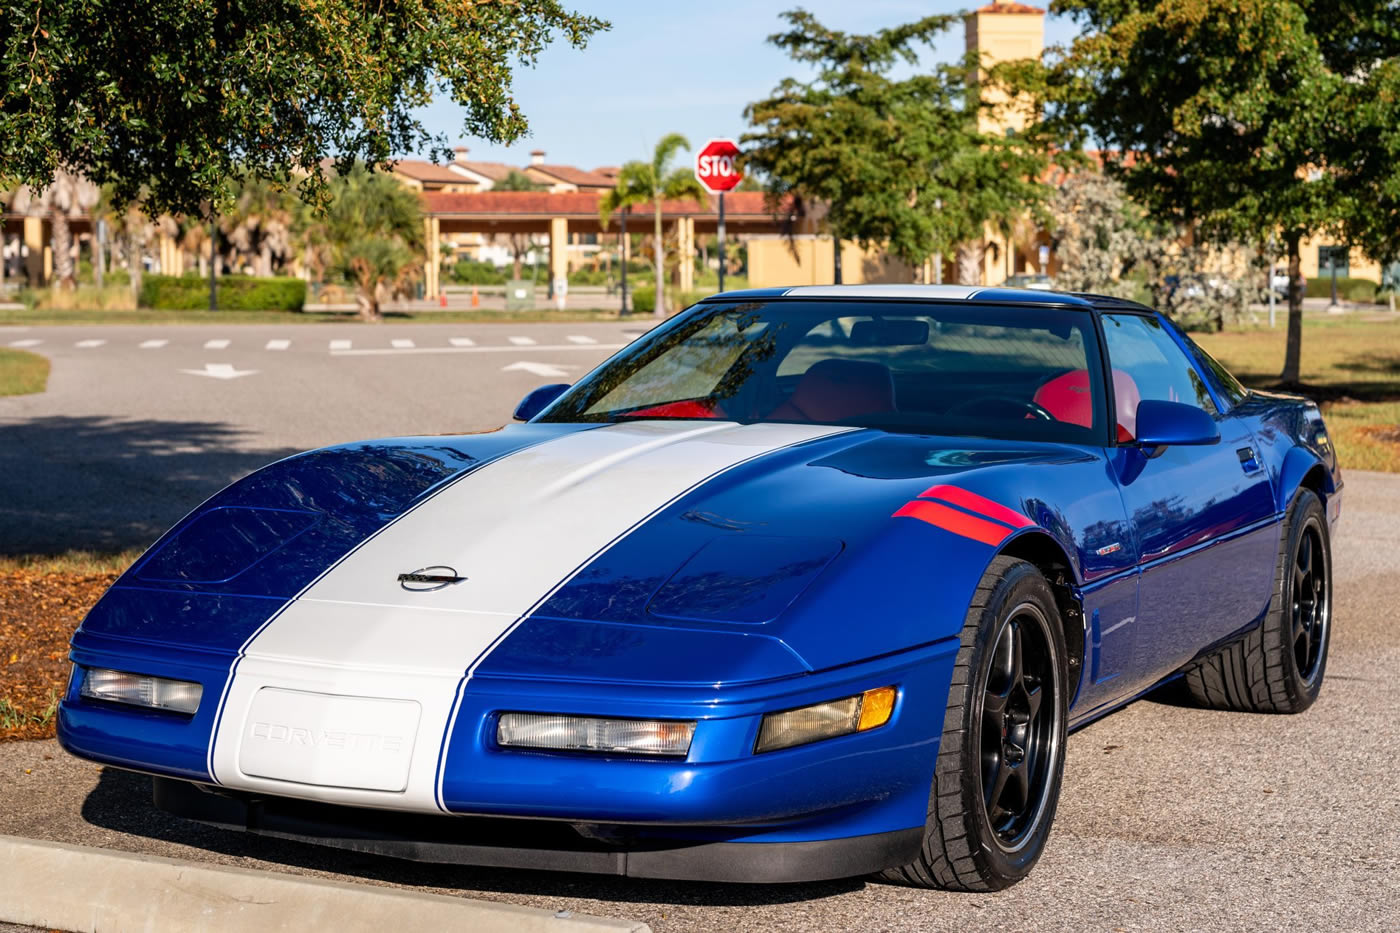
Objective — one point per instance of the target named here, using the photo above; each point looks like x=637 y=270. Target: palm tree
x=371 y=232
x=70 y=196
x=643 y=182
x=259 y=224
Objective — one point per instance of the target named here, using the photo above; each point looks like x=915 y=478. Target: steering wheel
x=1012 y=407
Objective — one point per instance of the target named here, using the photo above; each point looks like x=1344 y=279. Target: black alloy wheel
x=1310 y=610
x=996 y=781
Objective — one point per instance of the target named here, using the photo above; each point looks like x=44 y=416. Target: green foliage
x=171 y=99
x=898 y=163
x=371 y=233
x=472 y=272
x=1358 y=290
x=517 y=180
x=22 y=373
x=236 y=293
x=653 y=182
x=644 y=299
x=1238 y=119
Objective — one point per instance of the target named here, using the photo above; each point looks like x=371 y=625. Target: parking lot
x=1172 y=817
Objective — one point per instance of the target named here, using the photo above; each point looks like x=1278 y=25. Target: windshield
x=1025 y=373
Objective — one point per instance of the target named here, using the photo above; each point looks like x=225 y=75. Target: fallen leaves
x=38 y=613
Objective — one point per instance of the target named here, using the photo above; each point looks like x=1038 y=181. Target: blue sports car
x=805 y=583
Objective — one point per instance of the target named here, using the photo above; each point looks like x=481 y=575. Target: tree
x=520 y=244
x=371 y=232
x=258 y=223
x=653 y=182
x=176 y=98
x=898 y=163
x=1237 y=120
x=70 y=196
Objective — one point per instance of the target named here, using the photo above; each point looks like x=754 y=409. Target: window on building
x=1330 y=256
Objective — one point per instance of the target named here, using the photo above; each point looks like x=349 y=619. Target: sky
x=668 y=66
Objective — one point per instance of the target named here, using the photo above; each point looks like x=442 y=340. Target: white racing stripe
x=517 y=528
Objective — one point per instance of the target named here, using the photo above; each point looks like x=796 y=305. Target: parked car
x=760 y=599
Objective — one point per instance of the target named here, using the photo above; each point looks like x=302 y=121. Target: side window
x=1148 y=364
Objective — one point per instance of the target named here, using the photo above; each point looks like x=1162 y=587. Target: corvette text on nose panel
x=329 y=741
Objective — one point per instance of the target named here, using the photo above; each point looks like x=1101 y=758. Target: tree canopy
x=1238 y=120
x=170 y=99
x=895 y=162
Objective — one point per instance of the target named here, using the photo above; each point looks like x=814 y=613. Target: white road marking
x=385 y=351
x=216 y=344
x=277 y=345
x=153 y=344
x=340 y=344
x=538 y=369
x=522 y=341
x=401 y=344
x=461 y=341
x=89 y=344
x=581 y=340
x=25 y=343
x=219 y=371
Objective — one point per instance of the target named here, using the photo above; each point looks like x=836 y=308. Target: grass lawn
x=22 y=373
x=1350 y=365
x=149 y=316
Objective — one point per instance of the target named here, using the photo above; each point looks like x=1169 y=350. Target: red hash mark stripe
x=979 y=504
x=959 y=523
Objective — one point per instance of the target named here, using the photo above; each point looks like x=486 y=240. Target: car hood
x=675 y=551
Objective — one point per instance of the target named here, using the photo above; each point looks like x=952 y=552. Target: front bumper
x=545 y=845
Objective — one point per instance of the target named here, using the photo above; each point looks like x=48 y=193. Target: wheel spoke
x=993 y=709
x=1018 y=664
x=1033 y=697
x=1020 y=780
x=993 y=789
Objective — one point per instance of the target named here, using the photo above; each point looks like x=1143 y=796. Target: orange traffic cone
x=442 y=299
x=476 y=299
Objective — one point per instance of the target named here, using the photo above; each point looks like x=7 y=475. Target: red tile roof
x=575 y=176
x=572 y=202
x=419 y=170
x=1000 y=7
x=492 y=170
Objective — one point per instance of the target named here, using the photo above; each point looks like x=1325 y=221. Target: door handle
x=1249 y=461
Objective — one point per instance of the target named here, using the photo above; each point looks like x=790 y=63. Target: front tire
x=1278 y=667
x=997 y=779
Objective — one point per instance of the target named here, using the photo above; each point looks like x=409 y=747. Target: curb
x=66 y=887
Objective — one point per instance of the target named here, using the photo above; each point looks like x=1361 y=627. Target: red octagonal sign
x=715 y=166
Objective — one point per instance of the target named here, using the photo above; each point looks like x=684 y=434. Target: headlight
x=667 y=737
x=141 y=690
x=859 y=713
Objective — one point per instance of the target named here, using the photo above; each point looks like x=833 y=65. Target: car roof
x=971 y=293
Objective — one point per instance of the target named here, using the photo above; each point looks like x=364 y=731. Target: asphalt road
x=1172 y=818
x=141 y=423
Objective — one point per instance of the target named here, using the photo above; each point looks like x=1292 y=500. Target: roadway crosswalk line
x=25 y=343
x=277 y=345
x=216 y=344
x=340 y=344
x=89 y=344
x=153 y=344
x=401 y=344
x=522 y=341
x=580 y=339
x=461 y=341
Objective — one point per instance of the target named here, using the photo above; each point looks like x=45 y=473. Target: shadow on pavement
x=121 y=801
x=109 y=484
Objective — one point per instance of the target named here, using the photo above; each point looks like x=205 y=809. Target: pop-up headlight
x=667 y=737
x=828 y=720
x=179 y=696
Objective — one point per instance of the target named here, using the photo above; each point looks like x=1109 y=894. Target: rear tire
x=1278 y=667
x=997 y=779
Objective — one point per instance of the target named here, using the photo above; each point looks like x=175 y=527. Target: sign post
x=717 y=173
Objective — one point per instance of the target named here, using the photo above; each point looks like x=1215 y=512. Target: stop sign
x=715 y=168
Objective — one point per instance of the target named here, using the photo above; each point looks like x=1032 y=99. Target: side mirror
x=1167 y=424
x=538 y=400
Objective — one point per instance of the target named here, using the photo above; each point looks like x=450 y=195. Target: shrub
x=473 y=272
x=644 y=300
x=236 y=293
x=1359 y=290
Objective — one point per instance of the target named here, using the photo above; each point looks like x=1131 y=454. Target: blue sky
x=667 y=66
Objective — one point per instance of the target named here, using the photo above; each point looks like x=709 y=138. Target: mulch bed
x=38 y=613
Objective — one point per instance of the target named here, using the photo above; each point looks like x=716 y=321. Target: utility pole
x=1273 y=256
x=622 y=248
x=213 y=263
x=723 y=259
x=836 y=258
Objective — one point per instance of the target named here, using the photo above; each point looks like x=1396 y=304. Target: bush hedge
x=471 y=272
x=236 y=293
x=1362 y=290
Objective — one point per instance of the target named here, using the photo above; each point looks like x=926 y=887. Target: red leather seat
x=1069 y=398
x=833 y=390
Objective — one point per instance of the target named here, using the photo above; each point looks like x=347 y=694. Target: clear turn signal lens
x=666 y=737
x=141 y=690
x=828 y=720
